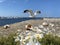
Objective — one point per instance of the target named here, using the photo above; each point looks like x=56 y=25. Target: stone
x=6 y=26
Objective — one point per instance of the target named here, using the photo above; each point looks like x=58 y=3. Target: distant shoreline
x=25 y=17
x=15 y=20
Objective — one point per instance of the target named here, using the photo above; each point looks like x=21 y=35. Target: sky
x=48 y=8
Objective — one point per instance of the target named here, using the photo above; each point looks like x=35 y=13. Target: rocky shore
x=53 y=26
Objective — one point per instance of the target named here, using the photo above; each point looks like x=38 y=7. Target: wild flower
x=38 y=36
x=31 y=37
x=17 y=39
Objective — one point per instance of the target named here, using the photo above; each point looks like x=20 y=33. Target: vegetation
x=50 y=40
x=46 y=40
x=8 y=40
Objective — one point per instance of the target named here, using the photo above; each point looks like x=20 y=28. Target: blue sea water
x=14 y=20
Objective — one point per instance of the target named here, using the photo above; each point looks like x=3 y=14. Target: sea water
x=14 y=20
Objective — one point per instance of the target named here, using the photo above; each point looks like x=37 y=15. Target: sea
x=15 y=20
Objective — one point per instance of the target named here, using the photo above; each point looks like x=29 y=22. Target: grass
x=50 y=40
x=8 y=40
x=46 y=40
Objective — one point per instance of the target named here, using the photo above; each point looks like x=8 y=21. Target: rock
x=45 y=24
x=38 y=30
x=52 y=25
x=6 y=26
x=28 y=26
x=41 y=26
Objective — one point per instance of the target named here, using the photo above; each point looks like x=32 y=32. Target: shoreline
x=21 y=26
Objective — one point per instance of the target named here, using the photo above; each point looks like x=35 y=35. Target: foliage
x=46 y=40
x=50 y=40
x=8 y=40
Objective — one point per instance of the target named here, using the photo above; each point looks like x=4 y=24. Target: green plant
x=50 y=40
x=9 y=40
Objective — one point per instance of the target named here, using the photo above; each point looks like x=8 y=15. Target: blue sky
x=48 y=8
